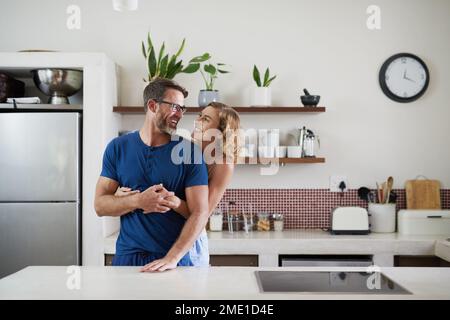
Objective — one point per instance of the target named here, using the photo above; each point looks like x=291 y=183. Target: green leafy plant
x=211 y=72
x=267 y=79
x=165 y=65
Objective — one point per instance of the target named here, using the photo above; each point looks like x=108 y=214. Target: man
x=151 y=233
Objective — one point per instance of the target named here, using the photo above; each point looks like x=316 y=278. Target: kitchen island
x=268 y=246
x=191 y=283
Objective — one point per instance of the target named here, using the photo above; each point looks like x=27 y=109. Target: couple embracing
x=163 y=186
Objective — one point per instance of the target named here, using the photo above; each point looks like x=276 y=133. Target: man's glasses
x=175 y=107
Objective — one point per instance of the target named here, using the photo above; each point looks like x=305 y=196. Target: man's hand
x=160 y=265
x=153 y=199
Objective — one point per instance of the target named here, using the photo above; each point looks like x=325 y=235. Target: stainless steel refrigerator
x=40 y=189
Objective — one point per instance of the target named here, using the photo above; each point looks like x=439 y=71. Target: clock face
x=404 y=77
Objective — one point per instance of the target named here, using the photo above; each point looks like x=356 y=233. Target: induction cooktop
x=328 y=282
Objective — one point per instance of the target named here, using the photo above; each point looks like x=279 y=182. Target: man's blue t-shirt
x=130 y=162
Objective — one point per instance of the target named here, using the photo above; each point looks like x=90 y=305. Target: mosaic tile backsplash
x=304 y=208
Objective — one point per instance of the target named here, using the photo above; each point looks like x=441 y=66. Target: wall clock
x=404 y=77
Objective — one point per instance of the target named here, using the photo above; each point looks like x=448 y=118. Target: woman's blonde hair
x=229 y=125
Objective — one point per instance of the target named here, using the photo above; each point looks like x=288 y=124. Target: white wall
x=322 y=45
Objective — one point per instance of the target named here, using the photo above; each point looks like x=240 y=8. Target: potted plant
x=165 y=65
x=261 y=94
x=209 y=73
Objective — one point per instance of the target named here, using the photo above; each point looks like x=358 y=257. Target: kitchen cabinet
x=108 y=259
x=420 y=261
x=325 y=260
x=252 y=261
x=233 y=260
x=215 y=260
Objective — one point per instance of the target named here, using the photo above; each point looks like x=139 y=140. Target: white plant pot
x=205 y=97
x=261 y=96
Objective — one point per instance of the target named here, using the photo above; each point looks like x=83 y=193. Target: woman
x=216 y=132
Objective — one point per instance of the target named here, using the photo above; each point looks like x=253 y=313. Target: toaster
x=349 y=220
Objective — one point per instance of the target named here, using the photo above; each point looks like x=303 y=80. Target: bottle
x=309 y=145
x=301 y=140
x=216 y=220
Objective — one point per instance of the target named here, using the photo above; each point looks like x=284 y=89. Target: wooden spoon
x=378 y=193
x=390 y=185
x=383 y=191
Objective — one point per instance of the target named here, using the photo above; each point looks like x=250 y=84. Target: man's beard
x=162 y=125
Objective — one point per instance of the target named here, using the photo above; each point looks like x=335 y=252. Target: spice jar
x=277 y=222
x=263 y=222
x=233 y=217
x=216 y=220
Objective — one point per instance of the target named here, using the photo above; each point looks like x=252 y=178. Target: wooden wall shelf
x=281 y=160
x=272 y=109
x=297 y=109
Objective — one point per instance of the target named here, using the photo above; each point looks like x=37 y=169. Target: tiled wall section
x=305 y=208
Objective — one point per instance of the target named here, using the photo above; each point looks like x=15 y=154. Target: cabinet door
x=39 y=157
x=108 y=259
x=233 y=260
x=216 y=260
x=420 y=261
x=38 y=234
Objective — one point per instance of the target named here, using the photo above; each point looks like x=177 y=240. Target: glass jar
x=248 y=218
x=263 y=223
x=233 y=217
x=277 y=222
x=216 y=220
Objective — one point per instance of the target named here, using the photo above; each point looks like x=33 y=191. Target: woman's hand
x=125 y=191
x=173 y=202
x=167 y=202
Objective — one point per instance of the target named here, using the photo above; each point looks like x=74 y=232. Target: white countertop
x=318 y=241
x=442 y=249
x=268 y=245
x=235 y=283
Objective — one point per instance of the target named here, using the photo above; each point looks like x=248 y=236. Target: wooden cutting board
x=423 y=194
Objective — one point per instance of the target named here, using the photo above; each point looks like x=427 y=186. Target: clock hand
x=406 y=78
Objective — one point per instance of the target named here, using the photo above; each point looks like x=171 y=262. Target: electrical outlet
x=335 y=181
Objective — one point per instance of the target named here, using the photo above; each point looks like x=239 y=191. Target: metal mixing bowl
x=58 y=83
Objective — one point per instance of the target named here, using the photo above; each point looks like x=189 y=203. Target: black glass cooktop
x=328 y=282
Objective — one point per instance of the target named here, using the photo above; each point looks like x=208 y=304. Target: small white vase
x=262 y=96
